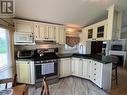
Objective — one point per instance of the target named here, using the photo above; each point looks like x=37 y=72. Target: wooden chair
x=25 y=92
x=45 y=88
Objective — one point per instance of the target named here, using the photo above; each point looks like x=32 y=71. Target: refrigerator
x=84 y=48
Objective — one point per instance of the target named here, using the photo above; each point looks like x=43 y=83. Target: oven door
x=45 y=69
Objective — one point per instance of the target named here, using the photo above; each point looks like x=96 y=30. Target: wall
x=124 y=36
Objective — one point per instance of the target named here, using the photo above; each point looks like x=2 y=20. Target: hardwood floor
x=121 y=89
x=71 y=86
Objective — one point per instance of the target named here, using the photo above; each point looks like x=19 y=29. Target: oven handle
x=37 y=64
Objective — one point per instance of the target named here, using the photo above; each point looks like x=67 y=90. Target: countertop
x=100 y=58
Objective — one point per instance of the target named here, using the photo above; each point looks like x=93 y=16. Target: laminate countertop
x=100 y=58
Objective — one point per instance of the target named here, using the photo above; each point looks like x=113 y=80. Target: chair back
x=114 y=59
x=45 y=88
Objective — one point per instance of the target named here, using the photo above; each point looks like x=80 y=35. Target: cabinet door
x=83 y=35
x=90 y=32
x=62 y=37
x=65 y=67
x=50 y=34
x=80 y=67
x=22 y=72
x=77 y=67
x=84 y=68
x=36 y=32
x=57 y=32
x=89 y=69
x=42 y=31
x=101 y=30
x=24 y=26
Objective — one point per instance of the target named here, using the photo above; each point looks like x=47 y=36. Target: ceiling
x=79 y=12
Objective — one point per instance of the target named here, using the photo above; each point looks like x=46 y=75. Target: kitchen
x=67 y=52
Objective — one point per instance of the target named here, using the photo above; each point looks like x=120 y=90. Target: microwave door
x=23 y=38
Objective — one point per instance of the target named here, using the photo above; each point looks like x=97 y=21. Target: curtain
x=72 y=41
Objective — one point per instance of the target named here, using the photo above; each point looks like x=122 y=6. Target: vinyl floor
x=71 y=86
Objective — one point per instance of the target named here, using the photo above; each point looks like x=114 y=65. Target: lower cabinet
x=65 y=67
x=97 y=72
x=25 y=72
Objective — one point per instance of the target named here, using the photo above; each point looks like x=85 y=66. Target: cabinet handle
x=94 y=79
x=94 y=69
x=94 y=74
x=95 y=64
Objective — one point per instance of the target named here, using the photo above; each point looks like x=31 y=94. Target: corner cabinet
x=108 y=29
x=96 y=31
x=98 y=73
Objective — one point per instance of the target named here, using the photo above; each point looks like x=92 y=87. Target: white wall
x=124 y=36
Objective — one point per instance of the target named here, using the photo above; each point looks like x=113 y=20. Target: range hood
x=46 y=44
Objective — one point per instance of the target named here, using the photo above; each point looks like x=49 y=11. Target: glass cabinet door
x=90 y=33
x=100 y=32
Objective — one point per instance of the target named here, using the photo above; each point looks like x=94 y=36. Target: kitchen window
x=5 y=60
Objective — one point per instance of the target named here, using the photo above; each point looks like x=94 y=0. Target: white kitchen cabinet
x=100 y=74
x=24 y=26
x=62 y=36
x=77 y=67
x=40 y=31
x=44 y=31
x=25 y=72
x=65 y=67
x=50 y=32
x=75 y=70
x=96 y=31
x=96 y=72
x=91 y=33
x=84 y=68
x=89 y=69
x=101 y=30
x=108 y=29
x=83 y=36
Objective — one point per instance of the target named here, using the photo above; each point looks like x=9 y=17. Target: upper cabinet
x=101 y=30
x=108 y=29
x=95 y=32
x=42 y=31
x=24 y=26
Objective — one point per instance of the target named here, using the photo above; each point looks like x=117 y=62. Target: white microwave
x=23 y=38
